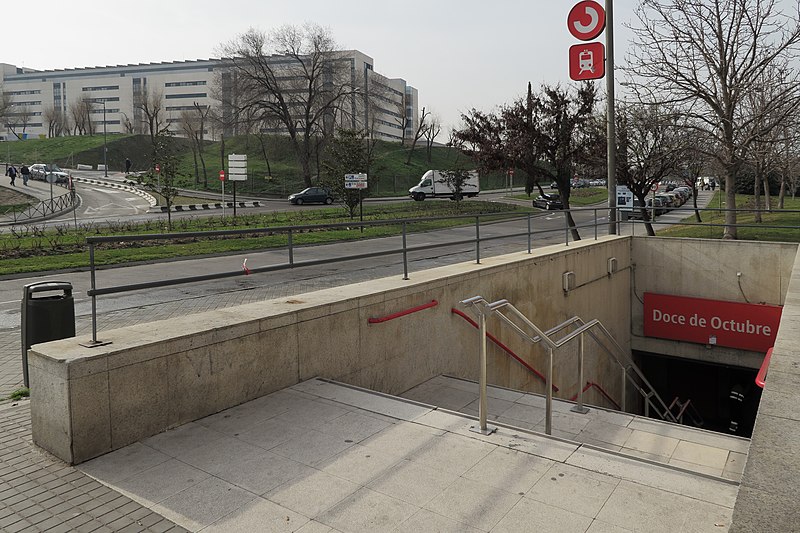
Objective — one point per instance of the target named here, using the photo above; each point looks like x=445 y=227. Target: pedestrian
x=26 y=174
x=127 y=166
x=12 y=173
x=713 y=185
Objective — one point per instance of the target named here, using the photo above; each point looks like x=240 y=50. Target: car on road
x=312 y=195
x=39 y=171
x=548 y=201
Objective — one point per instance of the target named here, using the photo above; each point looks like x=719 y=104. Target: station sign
x=586 y=20
x=712 y=322
x=587 y=61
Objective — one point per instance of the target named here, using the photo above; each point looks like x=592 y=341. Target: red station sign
x=221 y=175
x=715 y=322
x=587 y=61
x=586 y=20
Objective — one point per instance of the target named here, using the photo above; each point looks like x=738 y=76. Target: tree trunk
x=694 y=201
x=196 y=166
x=767 y=206
x=730 y=205
x=782 y=193
x=757 y=196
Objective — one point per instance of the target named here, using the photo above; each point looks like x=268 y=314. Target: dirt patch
x=10 y=196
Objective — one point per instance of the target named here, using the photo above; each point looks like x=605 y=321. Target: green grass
x=764 y=232
x=33 y=250
x=19 y=394
x=389 y=175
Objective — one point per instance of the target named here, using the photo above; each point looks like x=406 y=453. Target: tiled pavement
x=41 y=493
x=697 y=450
x=323 y=457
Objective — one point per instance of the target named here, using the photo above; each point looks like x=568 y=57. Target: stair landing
x=696 y=450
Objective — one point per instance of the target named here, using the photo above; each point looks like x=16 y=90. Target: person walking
x=127 y=166
x=12 y=173
x=26 y=174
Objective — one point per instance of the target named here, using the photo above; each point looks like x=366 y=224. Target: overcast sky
x=459 y=54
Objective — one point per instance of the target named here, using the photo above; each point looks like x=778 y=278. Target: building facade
x=96 y=99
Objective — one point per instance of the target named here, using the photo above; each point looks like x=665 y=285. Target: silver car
x=39 y=171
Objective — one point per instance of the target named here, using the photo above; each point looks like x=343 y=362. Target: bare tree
x=193 y=125
x=18 y=119
x=302 y=88
x=127 y=123
x=431 y=132
x=56 y=121
x=5 y=107
x=422 y=128
x=79 y=113
x=151 y=105
x=706 y=56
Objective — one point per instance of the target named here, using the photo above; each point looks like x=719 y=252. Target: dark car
x=548 y=201
x=312 y=195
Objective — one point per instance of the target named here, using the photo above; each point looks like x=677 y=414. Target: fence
x=592 y=219
x=57 y=204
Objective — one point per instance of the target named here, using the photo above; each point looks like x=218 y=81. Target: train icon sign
x=586 y=20
x=587 y=61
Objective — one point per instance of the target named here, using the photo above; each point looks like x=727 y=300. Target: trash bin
x=47 y=317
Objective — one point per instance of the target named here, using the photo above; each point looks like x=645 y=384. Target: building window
x=20 y=93
x=101 y=88
x=101 y=100
x=184 y=107
x=183 y=83
x=185 y=95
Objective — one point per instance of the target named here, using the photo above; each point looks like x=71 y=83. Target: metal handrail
x=483 y=308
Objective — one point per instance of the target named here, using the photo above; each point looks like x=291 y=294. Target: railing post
x=548 y=414
x=566 y=229
x=624 y=401
x=529 y=233
x=405 y=253
x=580 y=408
x=595 y=227
x=483 y=428
x=94 y=297
x=478 y=240
x=291 y=250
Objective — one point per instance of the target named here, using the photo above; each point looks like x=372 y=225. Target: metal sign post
x=237 y=171
x=357 y=181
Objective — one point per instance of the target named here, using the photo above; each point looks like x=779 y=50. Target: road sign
x=221 y=175
x=51 y=178
x=158 y=168
x=587 y=61
x=237 y=167
x=355 y=184
x=654 y=187
x=586 y=20
x=355 y=177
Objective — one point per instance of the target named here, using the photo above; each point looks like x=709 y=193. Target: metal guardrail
x=597 y=219
x=630 y=371
x=44 y=208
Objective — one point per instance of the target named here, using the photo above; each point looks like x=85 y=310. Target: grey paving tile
x=124 y=463
x=160 y=482
x=311 y=494
x=509 y=470
x=411 y=482
x=573 y=489
x=424 y=520
x=204 y=503
x=367 y=511
x=531 y=515
x=259 y=515
x=474 y=503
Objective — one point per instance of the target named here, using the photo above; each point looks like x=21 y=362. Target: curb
x=127 y=186
x=204 y=207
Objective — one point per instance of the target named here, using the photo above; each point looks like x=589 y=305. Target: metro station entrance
x=710 y=387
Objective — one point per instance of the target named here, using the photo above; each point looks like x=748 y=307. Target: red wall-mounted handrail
x=386 y=318
x=761 y=377
x=601 y=390
x=503 y=347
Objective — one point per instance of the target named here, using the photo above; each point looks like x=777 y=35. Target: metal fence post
x=548 y=420
x=94 y=297
x=529 y=233
x=482 y=428
x=478 y=240
x=405 y=253
x=566 y=228
x=595 y=224
x=291 y=250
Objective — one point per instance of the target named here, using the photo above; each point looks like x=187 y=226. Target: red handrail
x=761 y=377
x=601 y=390
x=503 y=347
x=386 y=318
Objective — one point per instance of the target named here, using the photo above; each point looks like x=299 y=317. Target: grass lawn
x=765 y=231
x=33 y=249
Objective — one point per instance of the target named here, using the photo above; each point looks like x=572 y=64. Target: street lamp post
x=105 y=142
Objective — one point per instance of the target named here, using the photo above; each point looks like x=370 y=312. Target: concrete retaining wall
x=704 y=268
x=155 y=376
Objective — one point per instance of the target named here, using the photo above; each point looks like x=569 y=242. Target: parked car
x=39 y=171
x=312 y=195
x=667 y=200
x=548 y=201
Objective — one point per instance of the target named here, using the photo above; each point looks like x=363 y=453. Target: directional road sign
x=237 y=167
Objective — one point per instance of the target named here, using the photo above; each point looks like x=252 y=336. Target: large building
x=93 y=99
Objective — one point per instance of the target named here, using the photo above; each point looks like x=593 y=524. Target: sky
x=459 y=54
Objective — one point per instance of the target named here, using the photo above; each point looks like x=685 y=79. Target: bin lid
x=42 y=286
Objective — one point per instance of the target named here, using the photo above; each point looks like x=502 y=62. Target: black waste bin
x=47 y=317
